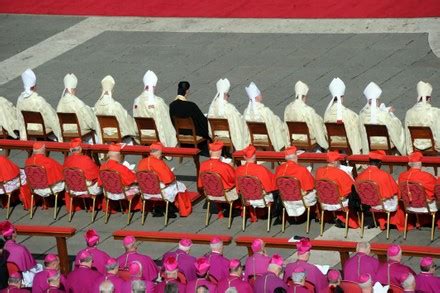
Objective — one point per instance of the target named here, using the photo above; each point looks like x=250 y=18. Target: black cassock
x=185 y=109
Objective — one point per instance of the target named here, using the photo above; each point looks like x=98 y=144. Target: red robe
x=266 y=177
x=426 y=179
x=226 y=172
x=127 y=176
x=53 y=168
x=9 y=171
x=299 y=172
x=166 y=176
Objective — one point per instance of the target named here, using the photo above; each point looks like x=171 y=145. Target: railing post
x=63 y=255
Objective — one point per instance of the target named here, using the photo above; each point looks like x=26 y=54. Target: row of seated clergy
x=150 y=105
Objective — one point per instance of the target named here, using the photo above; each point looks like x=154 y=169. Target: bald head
x=363 y=247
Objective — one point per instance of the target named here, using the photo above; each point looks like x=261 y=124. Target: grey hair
x=362 y=246
x=138 y=286
x=415 y=164
x=216 y=246
x=111 y=267
x=291 y=157
x=106 y=287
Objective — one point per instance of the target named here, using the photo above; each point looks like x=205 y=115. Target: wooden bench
x=173 y=237
x=60 y=233
x=343 y=247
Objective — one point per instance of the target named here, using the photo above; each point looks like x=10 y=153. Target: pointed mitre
x=150 y=79
x=337 y=87
x=372 y=91
x=70 y=81
x=108 y=83
x=252 y=91
x=301 y=89
x=424 y=89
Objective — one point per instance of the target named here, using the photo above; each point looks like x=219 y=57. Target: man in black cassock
x=183 y=108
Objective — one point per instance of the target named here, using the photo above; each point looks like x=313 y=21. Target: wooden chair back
x=185 y=131
x=69 y=119
x=221 y=124
x=30 y=117
x=377 y=130
x=337 y=130
x=300 y=128
x=146 y=124
x=259 y=128
x=422 y=132
x=108 y=121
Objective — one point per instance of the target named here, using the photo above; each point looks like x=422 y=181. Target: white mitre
x=424 y=89
x=150 y=80
x=70 y=82
x=337 y=90
x=108 y=84
x=223 y=87
x=372 y=92
x=29 y=80
x=301 y=89
x=252 y=92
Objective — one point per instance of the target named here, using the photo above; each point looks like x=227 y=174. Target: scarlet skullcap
x=52 y=273
x=257 y=245
x=393 y=250
x=333 y=275
x=364 y=278
x=249 y=151
x=38 y=145
x=376 y=155
x=114 y=148
x=216 y=240
x=277 y=260
x=334 y=156
x=202 y=265
x=426 y=261
x=111 y=261
x=50 y=258
x=303 y=246
x=290 y=150
x=216 y=146
x=128 y=240
x=157 y=146
x=84 y=255
x=170 y=264
x=7 y=229
x=234 y=264
x=135 y=269
x=74 y=143
x=15 y=275
x=415 y=157
x=185 y=242
x=91 y=237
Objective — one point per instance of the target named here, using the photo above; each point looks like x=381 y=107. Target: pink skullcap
x=185 y=242
x=170 y=264
x=111 y=261
x=216 y=240
x=333 y=275
x=277 y=260
x=364 y=278
x=426 y=261
x=50 y=258
x=128 y=240
x=135 y=268
x=234 y=264
x=84 y=255
x=202 y=265
x=393 y=250
x=303 y=246
x=7 y=228
x=15 y=275
x=257 y=245
x=92 y=237
x=52 y=273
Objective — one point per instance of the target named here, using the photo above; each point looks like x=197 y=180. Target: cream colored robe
x=72 y=104
x=36 y=103
x=160 y=112
x=106 y=105
x=237 y=124
x=393 y=124
x=423 y=114
x=351 y=123
x=298 y=111
x=277 y=129
x=8 y=118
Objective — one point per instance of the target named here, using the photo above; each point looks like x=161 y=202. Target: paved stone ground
x=274 y=60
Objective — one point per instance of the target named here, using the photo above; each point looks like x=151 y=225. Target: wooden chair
x=8 y=193
x=301 y=128
x=106 y=121
x=112 y=183
x=214 y=191
x=72 y=120
x=349 y=286
x=36 y=177
x=413 y=195
x=328 y=193
x=250 y=188
x=186 y=133
x=379 y=131
x=337 y=130
x=221 y=126
x=425 y=133
x=149 y=183
x=148 y=133
x=290 y=190
x=30 y=117
x=368 y=192
x=76 y=186
x=260 y=129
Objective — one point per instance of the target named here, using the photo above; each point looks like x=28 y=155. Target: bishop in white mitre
x=29 y=100
x=373 y=113
x=151 y=106
x=337 y=112
x=256 y=111
x=106 y=105
x=221 y=108
x=8 y=119
x=423 y=114
x=299 y=111
x=70 y=103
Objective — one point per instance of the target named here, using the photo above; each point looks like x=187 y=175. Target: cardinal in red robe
x=14 y=182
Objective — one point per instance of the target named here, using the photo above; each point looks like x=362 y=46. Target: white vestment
x=423 y=114
x=8 y=118
x=237 y=124
x=14 y=184
x=169 y=192
x=106 y=105
x=36 y=103
x=393 y=124
x=296 y=208
x=275 y=127
x=298 y=111
x=72 y=104
x=351 y=123
x=157 y=109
